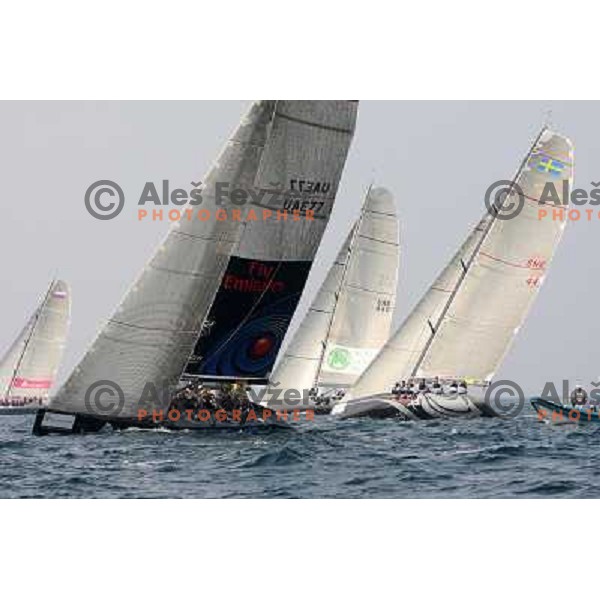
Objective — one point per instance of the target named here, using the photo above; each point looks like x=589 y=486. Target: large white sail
x=145 y=346
x=505 y=276
x=28 y=370
x=465 y=323
x=298 y=175
x=350 y=317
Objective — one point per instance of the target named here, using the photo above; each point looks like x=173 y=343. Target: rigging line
x=355 y=235
x=467 y=266
x=36 y=318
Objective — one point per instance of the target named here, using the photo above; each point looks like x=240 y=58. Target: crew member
x=578 y=396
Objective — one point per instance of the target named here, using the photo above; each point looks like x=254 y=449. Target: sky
x=436 y=157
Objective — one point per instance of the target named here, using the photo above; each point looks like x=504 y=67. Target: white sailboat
x=466 y=322
x=28 y=369
x=350 y=317
x=284 y=148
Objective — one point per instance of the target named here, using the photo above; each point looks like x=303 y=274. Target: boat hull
x=422 y=408
x=548 y=410
x=53 y=422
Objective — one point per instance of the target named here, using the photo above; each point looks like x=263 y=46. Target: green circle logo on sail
x=339 y=359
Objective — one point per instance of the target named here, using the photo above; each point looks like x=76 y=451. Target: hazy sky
x=437 y=158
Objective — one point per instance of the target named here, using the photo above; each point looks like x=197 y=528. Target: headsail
x=465 y=323
x=350 y=317
x=28 y=370
x=144 y=347
x=297 y=181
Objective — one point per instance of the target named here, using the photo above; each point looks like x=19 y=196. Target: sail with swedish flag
x=464 y=326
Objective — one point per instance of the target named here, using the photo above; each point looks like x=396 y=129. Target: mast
x=466 y=266
x=36 y=318
x=339 y=287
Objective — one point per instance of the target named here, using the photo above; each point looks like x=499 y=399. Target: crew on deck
x=578 y=396
x=20 y=401
x=413 y=387
x=323 y=402
x=196 y=397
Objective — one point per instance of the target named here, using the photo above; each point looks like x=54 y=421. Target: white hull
x=423 y=407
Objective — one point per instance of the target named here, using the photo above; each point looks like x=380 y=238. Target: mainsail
x=142 y=350
x=350 y=317
x=28 y=370
x=297 y=181
x=466 y=322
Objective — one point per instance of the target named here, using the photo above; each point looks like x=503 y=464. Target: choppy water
x=329 y=458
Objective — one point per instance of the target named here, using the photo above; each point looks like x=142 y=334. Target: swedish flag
x=545 y=164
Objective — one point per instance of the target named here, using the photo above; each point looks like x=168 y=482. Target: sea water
x=328 y=458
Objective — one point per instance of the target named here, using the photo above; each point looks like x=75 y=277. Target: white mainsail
x=350 y=317
x=145 y=346
x=299 y=173
x=505 y=275
x=466 y=322
x=28 y=370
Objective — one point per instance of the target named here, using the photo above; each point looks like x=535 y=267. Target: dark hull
x=548 y=410
x=52 y=422
x=18 y=410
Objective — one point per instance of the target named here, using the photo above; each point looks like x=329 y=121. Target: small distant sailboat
x=28 y=370
x=213 y=289
x=462 y=328
x=350 y=317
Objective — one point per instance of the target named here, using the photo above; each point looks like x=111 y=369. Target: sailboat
x=464 y=325
x=350 y=317
x=283 y=154
x=28 y=369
